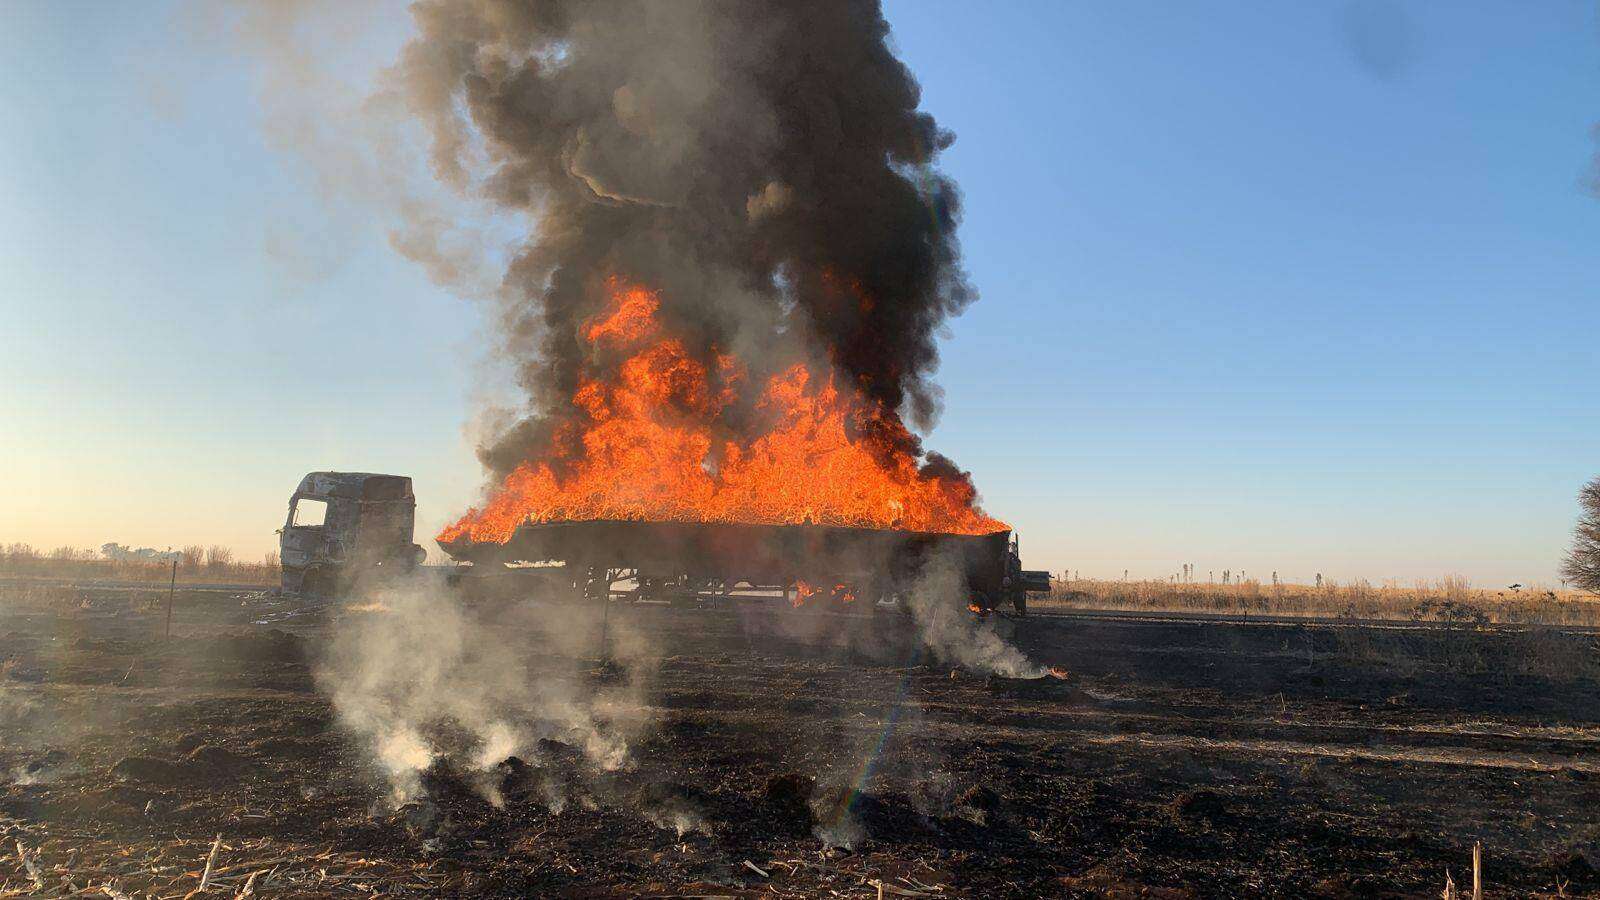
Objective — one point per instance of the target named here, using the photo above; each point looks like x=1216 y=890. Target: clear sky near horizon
x=1295 y=287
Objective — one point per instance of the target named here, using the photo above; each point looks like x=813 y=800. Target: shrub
x=19 y=551
x=1582 y=566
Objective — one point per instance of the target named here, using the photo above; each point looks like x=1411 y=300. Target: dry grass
x=1449 y=601
x=1545 y=652
x=1458 y=639
x=217 y=568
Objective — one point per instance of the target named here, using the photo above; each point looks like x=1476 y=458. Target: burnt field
x=794 y=753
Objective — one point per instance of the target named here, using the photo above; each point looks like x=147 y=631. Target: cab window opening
x=309 y=513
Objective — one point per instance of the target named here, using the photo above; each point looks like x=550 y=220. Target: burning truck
x=347 y=528
x=735 y=257
x=655 y=495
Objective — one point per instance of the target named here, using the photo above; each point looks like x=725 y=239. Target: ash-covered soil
x=1178 y=760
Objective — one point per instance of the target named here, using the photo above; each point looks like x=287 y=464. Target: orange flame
x=648 y=446
x=633 y=318
x=802 y=593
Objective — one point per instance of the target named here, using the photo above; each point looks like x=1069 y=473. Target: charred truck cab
x=1020 y=582
x=344 y=527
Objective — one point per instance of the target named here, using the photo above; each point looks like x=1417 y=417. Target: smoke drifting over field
x=418 y=677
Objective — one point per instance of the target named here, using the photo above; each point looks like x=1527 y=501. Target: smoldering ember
x=708 y=614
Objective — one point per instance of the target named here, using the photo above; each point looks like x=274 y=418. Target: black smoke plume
x=763 y=165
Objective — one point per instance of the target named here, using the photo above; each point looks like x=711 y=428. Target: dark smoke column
x=762 y=165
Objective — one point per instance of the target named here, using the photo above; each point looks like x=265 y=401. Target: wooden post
x=171 y=589
x=1477 y=870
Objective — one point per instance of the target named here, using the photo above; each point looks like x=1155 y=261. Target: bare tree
x=218 y=557
x=1582 y=566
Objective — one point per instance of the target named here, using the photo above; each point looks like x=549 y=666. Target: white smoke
x=431 y=678
x=938 y=599
x=842 y=832
x=678 y=821
x=328 y=104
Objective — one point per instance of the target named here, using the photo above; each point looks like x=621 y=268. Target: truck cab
x=345 y=528
x=1020 y=582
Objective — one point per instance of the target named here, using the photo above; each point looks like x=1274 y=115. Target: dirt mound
x=205 y=763
x=551 y=782
x=186 y=745
x=559 y=751
x=454 y=790
x=518 y=780
x=673 y=806
x=1199 y=806
x=418 y=818
x=1577 y=866
x=977 y=804
x=126 y=795
x=453 y=804
x=44 y=768
x=789 y=797
x=209 y=760
x=150 y=770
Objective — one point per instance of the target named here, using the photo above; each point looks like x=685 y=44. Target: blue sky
x=1295 y=287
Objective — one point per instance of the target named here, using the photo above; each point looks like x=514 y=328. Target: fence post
x=171 y=589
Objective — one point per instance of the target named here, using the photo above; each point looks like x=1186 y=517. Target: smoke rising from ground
x=938 y=603
x=418 y=677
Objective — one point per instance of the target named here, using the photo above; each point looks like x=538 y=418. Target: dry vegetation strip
x=1452 y=601
x=196 y=565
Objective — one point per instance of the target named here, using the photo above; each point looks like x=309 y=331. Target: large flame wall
x=651 y=442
